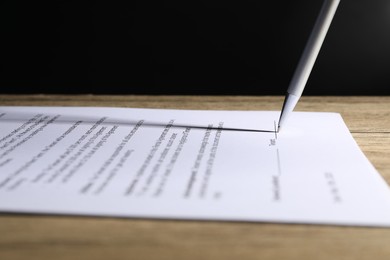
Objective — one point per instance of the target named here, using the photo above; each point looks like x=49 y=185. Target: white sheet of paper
x=181 y=164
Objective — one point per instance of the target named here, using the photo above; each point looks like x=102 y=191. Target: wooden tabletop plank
x=69 y=237
x=367 y=114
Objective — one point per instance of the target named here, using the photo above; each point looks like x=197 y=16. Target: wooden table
x=64 y=237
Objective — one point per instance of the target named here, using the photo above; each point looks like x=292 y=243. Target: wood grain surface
x=65 y=237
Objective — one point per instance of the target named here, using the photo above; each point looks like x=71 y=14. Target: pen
x=308 y=59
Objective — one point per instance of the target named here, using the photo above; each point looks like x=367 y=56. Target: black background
x=190 y=47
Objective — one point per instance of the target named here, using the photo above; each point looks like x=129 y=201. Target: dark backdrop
x=190 y=47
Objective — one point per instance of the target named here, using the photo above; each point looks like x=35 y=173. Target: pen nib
x=288 y=106
x=276 y=128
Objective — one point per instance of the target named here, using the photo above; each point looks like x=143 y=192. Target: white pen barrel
x=313 y=47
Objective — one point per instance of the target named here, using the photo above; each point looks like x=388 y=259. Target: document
x=187 y=164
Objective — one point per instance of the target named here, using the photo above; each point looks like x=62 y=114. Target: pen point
x=288 y=106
